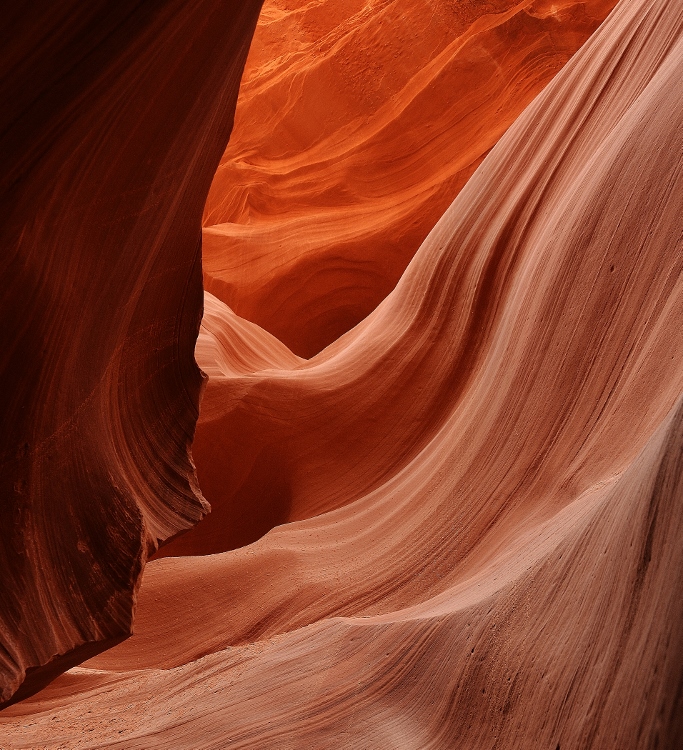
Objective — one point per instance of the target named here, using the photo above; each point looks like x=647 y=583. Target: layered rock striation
x=484 y=479
x=357 y=125
x=114 y=118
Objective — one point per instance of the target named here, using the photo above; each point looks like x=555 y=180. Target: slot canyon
x=341 y=375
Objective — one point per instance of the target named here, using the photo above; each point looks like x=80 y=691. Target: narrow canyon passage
x=357 y=125
x=391 y=147
x=442 y=430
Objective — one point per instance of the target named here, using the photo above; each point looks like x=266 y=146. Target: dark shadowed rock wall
x=113 y=119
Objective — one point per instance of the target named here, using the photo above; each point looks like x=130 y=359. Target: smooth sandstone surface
x=482 y=482
x=273 y=448
x=113 y=120
x=358 y=123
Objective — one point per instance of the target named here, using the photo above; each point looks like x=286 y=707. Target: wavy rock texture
x=509 y=426
x=278 y=447
x=357 y=125
x=114 y=118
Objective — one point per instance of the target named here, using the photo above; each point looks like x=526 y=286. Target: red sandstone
x=458 y=525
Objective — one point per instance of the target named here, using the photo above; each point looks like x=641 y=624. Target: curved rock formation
x=357 y=125
x=273 y=447
x=509 y=426
x=113 y=121
x=577 y=644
